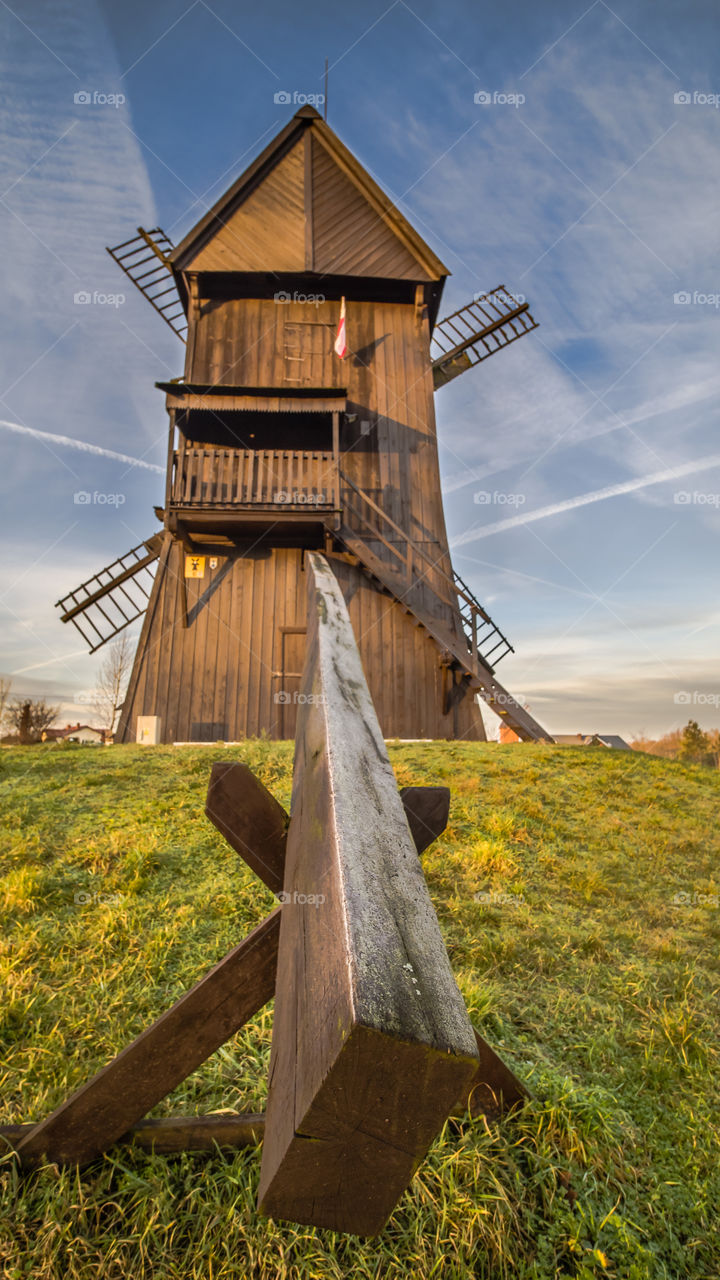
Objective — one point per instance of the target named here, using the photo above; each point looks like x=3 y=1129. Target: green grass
x=597 y=989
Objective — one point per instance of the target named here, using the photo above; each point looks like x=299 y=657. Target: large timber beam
x=372 y=1045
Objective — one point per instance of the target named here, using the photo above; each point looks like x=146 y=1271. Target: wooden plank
x=372 y=1045
x=427 y=810
x=495 y=1090
x=104 y=1108
x=176 y=1133
x=250 y=819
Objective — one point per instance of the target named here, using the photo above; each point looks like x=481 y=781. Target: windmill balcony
x=214 y=487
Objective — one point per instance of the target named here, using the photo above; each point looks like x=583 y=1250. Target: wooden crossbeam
x=104 y=1108
x=372 y=1045
x=427 y=810
x=176 y=1133
x=250 y=819
x=255 y=825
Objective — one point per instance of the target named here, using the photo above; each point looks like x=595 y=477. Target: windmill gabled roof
x=306 y=204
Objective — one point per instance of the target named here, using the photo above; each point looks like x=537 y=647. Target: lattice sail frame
x=479 y=329
x=123 y=587
x=157 y=281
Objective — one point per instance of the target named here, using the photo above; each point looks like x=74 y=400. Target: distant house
x=610 y=740
x=77 y=733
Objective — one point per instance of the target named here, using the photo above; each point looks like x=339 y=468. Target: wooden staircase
x=404 y=582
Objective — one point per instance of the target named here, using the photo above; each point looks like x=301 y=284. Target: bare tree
x=30 y=718
x=5 y=687
x=112 y=682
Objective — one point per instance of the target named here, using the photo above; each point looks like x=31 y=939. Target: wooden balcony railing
x=277 y=478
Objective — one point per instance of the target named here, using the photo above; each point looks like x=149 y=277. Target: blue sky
x=581 y=466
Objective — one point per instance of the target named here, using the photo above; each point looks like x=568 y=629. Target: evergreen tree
x=695 y=745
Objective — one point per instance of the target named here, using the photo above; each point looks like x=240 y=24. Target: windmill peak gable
x=306 y=205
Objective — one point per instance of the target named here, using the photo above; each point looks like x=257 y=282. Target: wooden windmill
x=278 y=446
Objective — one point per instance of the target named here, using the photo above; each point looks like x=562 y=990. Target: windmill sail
x=113 y=598
x=468 y=336
x=145 y=260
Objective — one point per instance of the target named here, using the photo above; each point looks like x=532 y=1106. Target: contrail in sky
x=584 y=499
x=81 y=445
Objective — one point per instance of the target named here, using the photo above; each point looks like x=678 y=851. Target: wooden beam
x=255 y=825
x=162 y=1056
x=308 y=203
x=176 y=1133
x=250 y=819
x=427 y=810
x=494 y=1089
x=372 y=1045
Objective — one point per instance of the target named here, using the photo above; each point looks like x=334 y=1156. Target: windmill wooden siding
x=304 y=219
x=219 y=677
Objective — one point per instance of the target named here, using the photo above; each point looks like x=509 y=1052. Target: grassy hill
x=592 y=968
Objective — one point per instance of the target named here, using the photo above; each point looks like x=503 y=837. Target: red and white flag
x=341 y=341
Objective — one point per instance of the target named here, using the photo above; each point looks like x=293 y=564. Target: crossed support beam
x=372 y=1047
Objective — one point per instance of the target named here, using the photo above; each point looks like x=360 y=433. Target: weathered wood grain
x=372 y=1045
x=162 y=1056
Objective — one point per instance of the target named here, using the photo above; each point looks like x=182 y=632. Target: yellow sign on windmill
x=195 y=566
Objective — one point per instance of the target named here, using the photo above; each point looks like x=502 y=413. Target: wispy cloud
x=585 y=499
x=83 y=446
